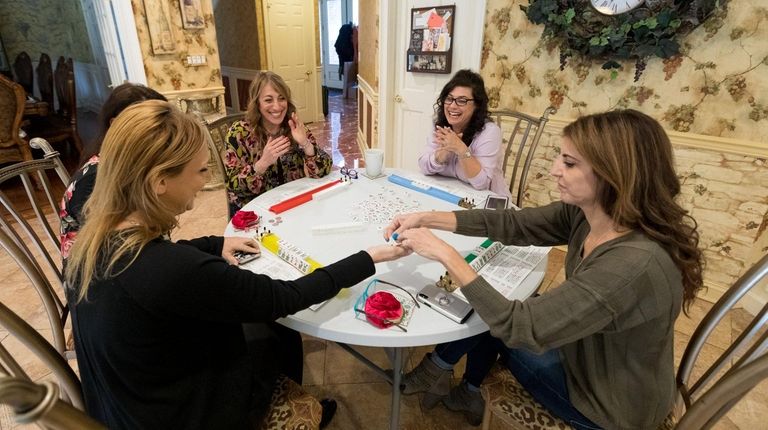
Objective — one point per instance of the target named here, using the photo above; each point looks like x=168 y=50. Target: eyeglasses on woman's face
x=460 y=101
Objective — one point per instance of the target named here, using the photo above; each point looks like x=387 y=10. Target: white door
x=290 y=35
x=411 y=96
x=334 y=14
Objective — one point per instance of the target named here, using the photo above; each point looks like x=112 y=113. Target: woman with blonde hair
x=158 y=324
x=597 y=350
x=271 y=146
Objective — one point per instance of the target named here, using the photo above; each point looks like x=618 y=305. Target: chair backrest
x=520 y=136
x=36 y=257
x=710 y=407
x=45 y=79
x=39 y=404
x=22 y=67
x=64 y=82
x=749 y=346
x=218 y=130
x=13 y=148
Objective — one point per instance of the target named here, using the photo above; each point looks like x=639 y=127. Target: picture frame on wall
x=191 y=14
x=430 y=49
x=159 y=25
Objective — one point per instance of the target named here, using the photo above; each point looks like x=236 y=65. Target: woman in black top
x=158 y=324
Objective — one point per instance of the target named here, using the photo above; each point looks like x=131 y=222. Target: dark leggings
x=541 y=375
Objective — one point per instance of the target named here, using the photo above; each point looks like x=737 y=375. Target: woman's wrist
x=259 y=168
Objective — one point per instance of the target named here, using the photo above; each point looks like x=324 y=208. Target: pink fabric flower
x=244 y=219
x=383 y=309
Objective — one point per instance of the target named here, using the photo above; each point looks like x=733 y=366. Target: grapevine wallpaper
x=716 y=86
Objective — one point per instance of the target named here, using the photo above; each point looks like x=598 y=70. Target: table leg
x=397 y=373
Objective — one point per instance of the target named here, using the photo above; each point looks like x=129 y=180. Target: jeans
x=542 y=375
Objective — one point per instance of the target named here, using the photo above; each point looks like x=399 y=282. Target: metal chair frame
x=16 y=232
x=39 y=404
x=522 y=140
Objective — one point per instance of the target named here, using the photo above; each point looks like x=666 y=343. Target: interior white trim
x=129 y=39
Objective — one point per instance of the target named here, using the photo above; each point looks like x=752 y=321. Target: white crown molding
x=193 y=91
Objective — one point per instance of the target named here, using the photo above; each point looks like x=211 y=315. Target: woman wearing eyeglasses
x=466 y=144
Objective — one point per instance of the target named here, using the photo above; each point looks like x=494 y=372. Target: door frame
x=388 y=50
x=325 y=37
x=129 y=41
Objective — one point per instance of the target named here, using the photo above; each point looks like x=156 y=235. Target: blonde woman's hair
x=637 y=186
x=147 y=142
x=253 y=115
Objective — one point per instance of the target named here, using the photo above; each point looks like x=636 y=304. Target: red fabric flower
x=244 y=219
x=383 y=309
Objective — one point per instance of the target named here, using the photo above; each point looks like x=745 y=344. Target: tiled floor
x=364 y=400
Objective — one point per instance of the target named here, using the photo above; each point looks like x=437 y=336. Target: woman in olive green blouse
x=271 y=146
x=596 y=351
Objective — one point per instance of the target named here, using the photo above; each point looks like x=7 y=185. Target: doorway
x=334 y=14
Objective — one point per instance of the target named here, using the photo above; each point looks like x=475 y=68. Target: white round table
x=336 y=320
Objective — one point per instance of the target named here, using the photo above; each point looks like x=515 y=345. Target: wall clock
x=615 y=7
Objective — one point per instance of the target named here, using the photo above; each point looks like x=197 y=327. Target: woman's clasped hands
x=449 y=142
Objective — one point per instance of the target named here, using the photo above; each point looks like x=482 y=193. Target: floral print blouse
x=71 y=206
x=243 y=150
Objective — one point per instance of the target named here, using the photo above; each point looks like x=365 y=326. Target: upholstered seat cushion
x=508 y=401
x=292 y=408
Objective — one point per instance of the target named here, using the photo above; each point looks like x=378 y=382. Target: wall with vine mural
x=168 y=72
x=715 y=90
x=718 y=85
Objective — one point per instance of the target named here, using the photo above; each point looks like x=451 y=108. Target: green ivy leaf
x=569 y=15
x=667 y=48
x=614 y=74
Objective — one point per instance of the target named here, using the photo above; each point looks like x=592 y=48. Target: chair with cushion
x=520 y=135
x=13 y=147
x=291 y=408
x=507 y=401
x=22 y=68
x=45 y=79
x=218 y=130
x=61 y=125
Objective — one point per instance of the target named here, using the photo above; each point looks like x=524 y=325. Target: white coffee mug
x=374 y=161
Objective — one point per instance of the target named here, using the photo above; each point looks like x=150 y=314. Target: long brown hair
x=632 y=158
x=253 y=115
x=147 y=142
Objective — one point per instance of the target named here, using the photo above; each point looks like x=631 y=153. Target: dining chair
x=61 y=125
x=33 y=403
x=27 y=226
x=22 y=67
x=218 y=131
x=507 y=401
x=45 y=79
x=520 y=136
x=13 y=147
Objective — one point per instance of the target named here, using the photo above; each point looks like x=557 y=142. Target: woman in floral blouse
x=271 y=146
x=82 y=183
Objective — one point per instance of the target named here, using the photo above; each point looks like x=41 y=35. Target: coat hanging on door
x=344 y=47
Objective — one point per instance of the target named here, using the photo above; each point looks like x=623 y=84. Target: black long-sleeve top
x=161 y=345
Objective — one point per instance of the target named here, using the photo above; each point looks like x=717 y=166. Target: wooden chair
x=22 y=67
x=13 y=147
x=62 y=125
x=520 y=135
x=700 y=397
x=45 y=79
x=218 y=130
